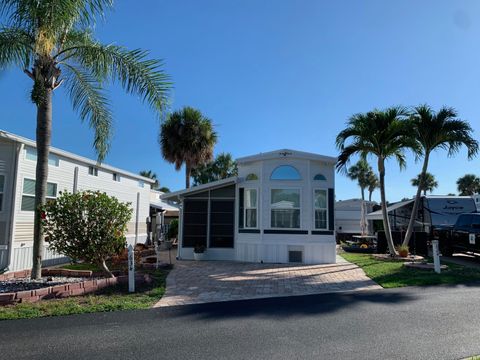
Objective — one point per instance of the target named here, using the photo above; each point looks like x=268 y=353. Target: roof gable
x=287 y=154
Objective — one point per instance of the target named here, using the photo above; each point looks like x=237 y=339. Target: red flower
x=43 y=215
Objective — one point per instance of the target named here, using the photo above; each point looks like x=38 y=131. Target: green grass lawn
x=109 y=299
x=391 y=274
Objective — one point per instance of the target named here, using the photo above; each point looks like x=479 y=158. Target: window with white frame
x=2 y=189
x=320 y=208
x=92 y=170
x=285 y=208
x=141 y=183
x=28 y=194
x=116 y=177
x=250 y=208
x=31 y=154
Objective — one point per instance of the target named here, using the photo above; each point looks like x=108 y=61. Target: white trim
x=15 y=138
x=22 y=194
x=200 y=188
x=290 y=154
x=250 y=208
x=94 y=170
x=299 y=208
x=315 y=209
x=51 y=156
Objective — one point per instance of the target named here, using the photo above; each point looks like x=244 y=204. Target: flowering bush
x=88 y=226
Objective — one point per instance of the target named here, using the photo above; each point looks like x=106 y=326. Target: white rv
x=68 y=172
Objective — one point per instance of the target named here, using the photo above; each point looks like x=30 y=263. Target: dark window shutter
x=331 y=209
x=240 y=207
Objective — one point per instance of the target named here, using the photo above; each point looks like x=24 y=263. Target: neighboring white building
x=68 y=172
x=348 y=215
x=279 y=209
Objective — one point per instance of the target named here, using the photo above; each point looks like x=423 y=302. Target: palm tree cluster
x=52 y=42
x=388 y=134
x=224 y=166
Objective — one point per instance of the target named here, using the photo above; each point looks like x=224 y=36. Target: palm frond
x=53 y=15
x=137 y=74
x=88 y=99
x=15 y=48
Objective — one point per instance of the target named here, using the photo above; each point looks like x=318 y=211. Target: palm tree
x=427 y=185
x=187 y=138
x=372 y=181
x=52 y=43
x=225 y=166
x=151 y=175
x=221 y=168
x=359 y=173
x=383 y=134
x=432 y=131
x=468 y=185
x=164 y=189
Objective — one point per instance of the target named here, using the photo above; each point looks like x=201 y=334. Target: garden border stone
x=67 y=290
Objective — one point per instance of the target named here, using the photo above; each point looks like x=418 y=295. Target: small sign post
x=436 y=256
x=131 y=269
x=471 y=239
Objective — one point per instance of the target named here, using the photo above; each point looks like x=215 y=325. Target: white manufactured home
x=67 y=172
x=279 y=209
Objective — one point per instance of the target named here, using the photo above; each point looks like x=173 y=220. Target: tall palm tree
x=187 y=138
x=373 y=183
x=468 y=185
x=427 y=185
x=51 y=41
x=151 y=175
x=383 y=134
x=432 y=131
x=359 y=172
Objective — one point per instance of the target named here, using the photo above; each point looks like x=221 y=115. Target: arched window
x=285 y=172
x=251 y=177
x=319 y=177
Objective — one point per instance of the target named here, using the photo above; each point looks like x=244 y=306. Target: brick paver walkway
x=194 y=282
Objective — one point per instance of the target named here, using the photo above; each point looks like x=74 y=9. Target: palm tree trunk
x=370 y=195
x=386 y=222
x=363 y=193
x=188 y=173
x=44 y=131
x=413 y=216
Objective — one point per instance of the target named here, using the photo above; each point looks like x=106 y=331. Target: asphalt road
x=410 y=323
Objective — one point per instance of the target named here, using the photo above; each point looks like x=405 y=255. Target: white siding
x=274 y=248
x=126 y=190
x=7 y=162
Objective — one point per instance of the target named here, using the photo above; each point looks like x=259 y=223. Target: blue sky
x=281 y=74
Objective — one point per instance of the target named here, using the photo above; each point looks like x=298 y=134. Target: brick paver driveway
x=194 y=282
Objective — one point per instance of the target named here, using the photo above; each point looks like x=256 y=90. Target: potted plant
x=199 y=252
x=402 y=250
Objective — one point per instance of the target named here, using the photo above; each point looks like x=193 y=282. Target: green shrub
x=173 y=229
x=88 y=226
